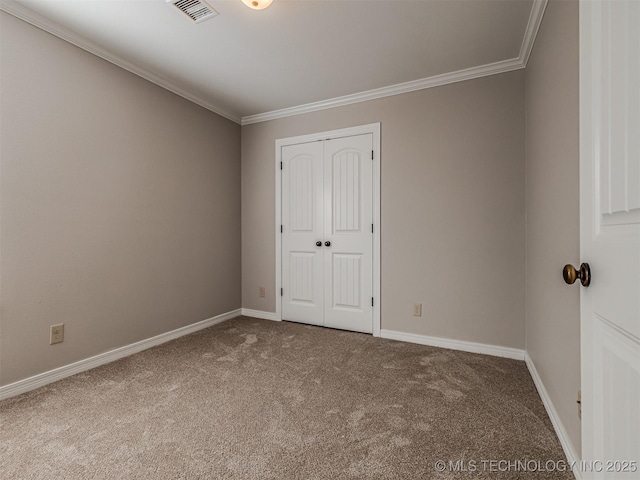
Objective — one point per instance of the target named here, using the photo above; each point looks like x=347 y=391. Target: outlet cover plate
x=57 y=334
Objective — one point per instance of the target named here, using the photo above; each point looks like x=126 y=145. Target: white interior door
x=348 y=220
x=327 y=237
x=302 y=230
x=610 y=237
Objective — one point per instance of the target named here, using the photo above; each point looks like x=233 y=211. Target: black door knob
x=327 y=244
x=318 y=243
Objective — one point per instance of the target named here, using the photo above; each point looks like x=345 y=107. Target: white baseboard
x=42 y=379
x=567 y=446
x=462 y=345
x=247 y=312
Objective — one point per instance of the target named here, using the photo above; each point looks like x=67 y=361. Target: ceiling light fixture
x=257 y=4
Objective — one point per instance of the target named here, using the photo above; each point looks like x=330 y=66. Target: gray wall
x=120 y=206
x=553 y=228
x=452 y=207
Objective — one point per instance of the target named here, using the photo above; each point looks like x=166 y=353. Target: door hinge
x=371 y=154
x=282 y=292
x=281 y=229
x=280 y=165
x=372 y=301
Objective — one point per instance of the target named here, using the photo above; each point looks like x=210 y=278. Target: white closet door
x=610 y=238
x=302 y=225
x=348 y=219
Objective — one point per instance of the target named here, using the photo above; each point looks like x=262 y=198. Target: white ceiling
x=246 y=62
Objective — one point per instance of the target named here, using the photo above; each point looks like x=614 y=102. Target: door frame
x=374 y=130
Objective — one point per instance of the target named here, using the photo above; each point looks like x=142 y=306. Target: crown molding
x=412 y=86
x=23 y=13
x=535 y=18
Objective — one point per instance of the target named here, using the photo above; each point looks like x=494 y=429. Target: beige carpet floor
x=254 y=399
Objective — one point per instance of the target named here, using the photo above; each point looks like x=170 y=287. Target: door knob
x=318 y=243
x=570 y=274
x=327 y=244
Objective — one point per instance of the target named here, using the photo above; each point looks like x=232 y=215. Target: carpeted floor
x=254 y=399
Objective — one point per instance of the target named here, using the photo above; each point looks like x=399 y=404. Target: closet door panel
x=348 y=216
x=302 y=225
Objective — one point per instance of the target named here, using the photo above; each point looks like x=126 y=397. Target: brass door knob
x=570 y=274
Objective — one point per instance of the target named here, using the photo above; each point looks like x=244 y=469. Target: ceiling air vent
x=196 y=10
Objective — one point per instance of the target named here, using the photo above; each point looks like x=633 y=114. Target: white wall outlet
x=417 y=309
x=261 y=292
x=57 y=334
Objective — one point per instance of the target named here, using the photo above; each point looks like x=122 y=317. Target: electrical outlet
x=57 y=334
x=417 y=309
x=261 y=292
x=579 y=402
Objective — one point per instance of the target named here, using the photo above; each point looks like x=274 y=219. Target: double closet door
x=327 y=233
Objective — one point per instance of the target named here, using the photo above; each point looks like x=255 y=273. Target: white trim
x=533 y=25
x=374 y=130
x=503 y=66
x=278 y=232
x=377 y=231
x=23 y=13
x=247 y=312
x=464 y=346
x=412 y=86
x=567 y=446
x=42 y=379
